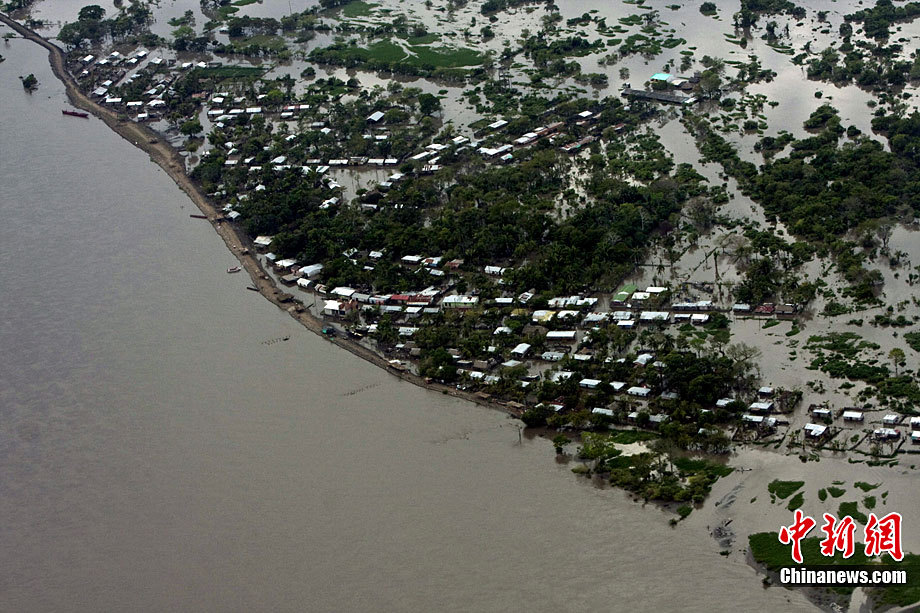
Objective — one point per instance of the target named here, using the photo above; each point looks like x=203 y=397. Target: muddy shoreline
x=167 y=158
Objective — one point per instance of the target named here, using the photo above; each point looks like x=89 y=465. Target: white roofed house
x=344 y=292
x=460 y=302
x=561 y=336
x=643 y=359
x=285 y=264
x=886 y=434
x=337 y=308
x=590 y=384
x=654 y=316
x=521 y=350
x=375 y=117
x=814 y=431
x=310 y=271
x=639 y=391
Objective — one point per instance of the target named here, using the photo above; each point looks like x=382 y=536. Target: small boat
x=194 y=216
x=75 y=113
x=235 y=269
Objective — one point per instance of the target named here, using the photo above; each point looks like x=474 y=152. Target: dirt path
x=164 y=155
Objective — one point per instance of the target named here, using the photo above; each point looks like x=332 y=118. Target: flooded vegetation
x=690 y=221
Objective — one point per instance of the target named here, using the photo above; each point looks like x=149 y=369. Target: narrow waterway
x=162 y=449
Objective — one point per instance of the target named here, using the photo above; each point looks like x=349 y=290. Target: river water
x=161 y=449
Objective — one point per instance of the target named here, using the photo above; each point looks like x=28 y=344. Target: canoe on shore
x=75 y=113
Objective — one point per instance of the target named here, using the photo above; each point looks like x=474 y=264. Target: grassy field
x=230 y=72
x=784 y=489
x=768 y=551
x=357 y=9
x=275 y=43
x=389 y=52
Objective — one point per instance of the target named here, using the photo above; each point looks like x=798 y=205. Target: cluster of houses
x=855 y=416
x=117 y=69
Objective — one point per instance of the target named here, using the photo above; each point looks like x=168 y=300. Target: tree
x=559 y=442
x=710 y=83
x=91 y=12
x=428 y=104
x=897 y=357
x=29 y=83
x=190 y=127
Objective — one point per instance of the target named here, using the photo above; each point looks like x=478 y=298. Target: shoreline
x=166 y=157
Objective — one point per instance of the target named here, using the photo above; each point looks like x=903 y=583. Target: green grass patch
x=796 y=502
x=822 y=494
x=386 y=53
x=866 y=487
x=836 y=492
x=684 y=510
x=851 y=509
x=690 y=465
x=230 y=72
x=903 y=595
x=628 y=437
x=869 y=502
x=767 y=550
x=268 y=41
x=784 y=489
x=446 y=57
x=427 y=39
x=356 y=9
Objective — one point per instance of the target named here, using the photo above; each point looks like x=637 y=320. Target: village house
x=460 y=302
x=886 y=434
x=814 y=431
x=639 y=391
x=338 y=308
x=520 y=351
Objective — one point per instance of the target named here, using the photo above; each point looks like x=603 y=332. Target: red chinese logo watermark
x=881 y=535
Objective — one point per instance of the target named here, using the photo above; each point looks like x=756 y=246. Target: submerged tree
x=29 y=83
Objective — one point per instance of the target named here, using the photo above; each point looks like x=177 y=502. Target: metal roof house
x=521 y=350
x=814 y=430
